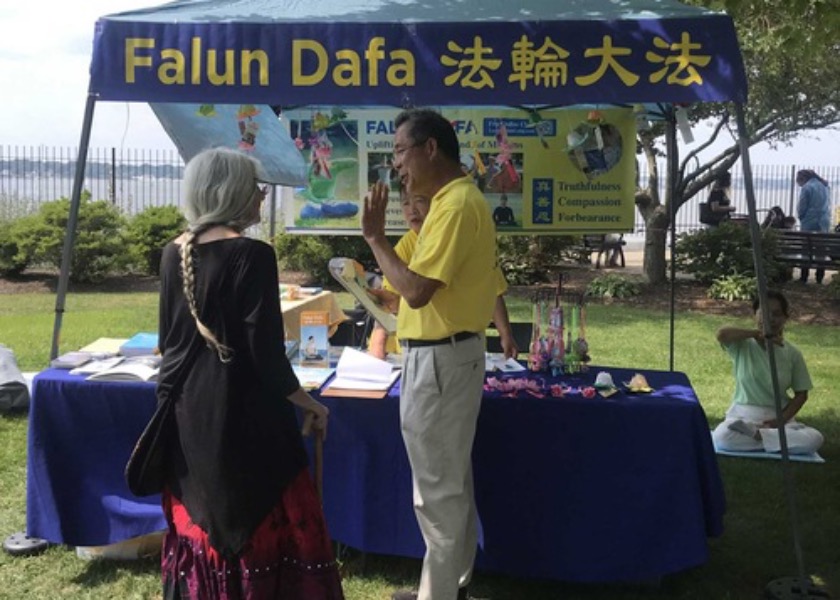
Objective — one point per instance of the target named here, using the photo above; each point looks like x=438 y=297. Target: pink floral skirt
x=289 y=557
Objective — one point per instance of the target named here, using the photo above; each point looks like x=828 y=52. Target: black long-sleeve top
x=239 y=439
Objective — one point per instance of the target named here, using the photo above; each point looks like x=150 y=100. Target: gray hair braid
x=188 y=274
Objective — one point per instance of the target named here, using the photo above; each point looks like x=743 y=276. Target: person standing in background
x=448 y=291
x=813 y=210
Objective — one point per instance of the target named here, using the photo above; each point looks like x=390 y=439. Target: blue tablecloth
x=619 y=489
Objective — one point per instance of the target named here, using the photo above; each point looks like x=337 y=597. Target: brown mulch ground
x=809 y=303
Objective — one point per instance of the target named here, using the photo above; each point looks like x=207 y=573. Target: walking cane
x=319 y=453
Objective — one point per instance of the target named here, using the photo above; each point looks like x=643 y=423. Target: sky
x=44 y=74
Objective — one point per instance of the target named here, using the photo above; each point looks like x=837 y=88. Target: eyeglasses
x=261 y=189
x=399 y=151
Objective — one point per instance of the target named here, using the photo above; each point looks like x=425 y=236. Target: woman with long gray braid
x=244 y=518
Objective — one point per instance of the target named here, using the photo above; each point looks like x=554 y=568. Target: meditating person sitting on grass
x=750 y=422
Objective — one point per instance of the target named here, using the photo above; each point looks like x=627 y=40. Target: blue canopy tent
x=531 y=54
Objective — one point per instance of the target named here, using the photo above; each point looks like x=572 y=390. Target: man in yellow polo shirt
x=415 y=208
x=448 y=291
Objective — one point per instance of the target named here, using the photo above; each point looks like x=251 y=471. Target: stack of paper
x=132 y=368
x=361 y=375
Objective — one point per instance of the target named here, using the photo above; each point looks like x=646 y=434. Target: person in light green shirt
x=750 y=422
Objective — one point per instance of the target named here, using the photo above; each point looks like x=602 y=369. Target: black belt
x=458 y=337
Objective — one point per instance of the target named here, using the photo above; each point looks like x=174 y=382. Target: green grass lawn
x=756 y=547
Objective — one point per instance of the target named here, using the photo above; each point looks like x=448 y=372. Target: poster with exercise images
x=554 y=171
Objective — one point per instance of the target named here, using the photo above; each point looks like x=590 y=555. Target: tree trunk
x=656 y=236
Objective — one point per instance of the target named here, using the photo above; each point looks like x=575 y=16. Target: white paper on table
x=498 y=362
x=358 y=370
x=97 y=365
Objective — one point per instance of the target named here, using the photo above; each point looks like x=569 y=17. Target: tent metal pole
x=272 y=219
x=72 y=222
x=755 y=236
x=672 y=159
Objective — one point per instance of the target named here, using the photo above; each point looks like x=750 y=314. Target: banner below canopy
x=253 y=129
x=274 y=53
x=556 y=171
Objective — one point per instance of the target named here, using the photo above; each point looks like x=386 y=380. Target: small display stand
x=553 y=346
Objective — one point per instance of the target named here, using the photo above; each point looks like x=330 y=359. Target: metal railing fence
x=131 y=179
x=135 y=179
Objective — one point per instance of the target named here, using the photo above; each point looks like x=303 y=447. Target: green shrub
x=148 y=232
x=612 y=285
x=306 y=253
x=311 y=254
x=525 y=260
x=833 y=286
x=711 y=253
x=733 y=287
x=354 y=246
x=530 y=259
x=13 y=260
x=99 y=247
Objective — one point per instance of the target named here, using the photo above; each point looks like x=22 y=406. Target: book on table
x=130 y=368
x=104 y=346
x=361 y=375
x=314 y=338
x=71 y=360
x=140 y=344
x=312 y=378
x=351 y=275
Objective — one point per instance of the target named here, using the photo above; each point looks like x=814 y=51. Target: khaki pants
x=439 y=404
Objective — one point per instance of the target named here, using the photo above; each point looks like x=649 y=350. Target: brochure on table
x=361 y=375
x=314 y=338
x=312 y=378
x=494 y=361
x=351 y=275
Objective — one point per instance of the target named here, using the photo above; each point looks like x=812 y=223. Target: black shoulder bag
x=145 y=471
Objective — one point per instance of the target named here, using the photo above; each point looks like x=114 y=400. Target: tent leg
x=72 y=222
x=761 y=278
x=672 y=160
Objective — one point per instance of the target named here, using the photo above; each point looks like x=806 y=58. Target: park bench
x=808 y=249
x=599 y=244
